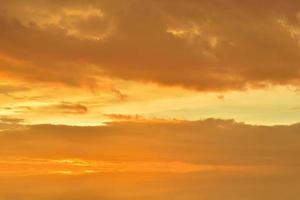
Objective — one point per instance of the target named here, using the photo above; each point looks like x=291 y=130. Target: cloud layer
x=205 y=142
x=150 y=160
x=207 y=45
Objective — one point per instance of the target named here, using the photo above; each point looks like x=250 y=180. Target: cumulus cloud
x=207 y=45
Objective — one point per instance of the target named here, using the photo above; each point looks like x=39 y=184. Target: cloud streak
x=31 y=167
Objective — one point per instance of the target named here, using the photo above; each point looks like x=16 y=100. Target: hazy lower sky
x=149 y=99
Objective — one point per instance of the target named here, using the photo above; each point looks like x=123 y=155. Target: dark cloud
x=137 y=118
x=120 y=117
x=69 y=108
x=72 y=108
x=207 y=45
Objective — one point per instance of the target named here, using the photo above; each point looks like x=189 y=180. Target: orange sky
x=149 y=94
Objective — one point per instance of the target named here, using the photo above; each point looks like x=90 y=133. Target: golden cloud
x=206 y=142
x=207 y=45
x=191 y=159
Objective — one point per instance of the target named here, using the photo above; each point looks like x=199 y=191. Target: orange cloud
x=150 y=158
x=8 y=123
x=207 y=45
x=204 y=142
x=30 y=167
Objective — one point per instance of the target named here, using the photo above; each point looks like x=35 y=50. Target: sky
x=151 y=99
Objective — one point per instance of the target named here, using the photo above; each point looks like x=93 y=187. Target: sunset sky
x=149 y=99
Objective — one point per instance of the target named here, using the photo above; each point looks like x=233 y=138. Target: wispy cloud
x=30 y=167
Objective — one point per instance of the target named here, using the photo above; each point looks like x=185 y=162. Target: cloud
x=139 y=118
x=31 y=167
x=68 y=108
x=192 y=159
x=120 y=117
x=9 y=123
x=8 y=89
x=205 y=142
x=205 y=45
x=9 y=120
x=71 y=108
